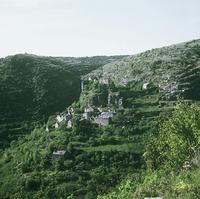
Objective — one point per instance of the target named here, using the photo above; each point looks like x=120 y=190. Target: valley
x=91 y=134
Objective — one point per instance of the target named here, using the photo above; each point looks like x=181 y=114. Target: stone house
x=104 y=80
x=104 y=118
x=88 y=109
x=69 y=124
x=88 y=112
x=113 y=98
x=58 y=154
x=145 y=86
x=47 y=129
x=60 y=118
x=56 y=125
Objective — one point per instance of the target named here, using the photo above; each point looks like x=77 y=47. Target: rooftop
x=61 y=152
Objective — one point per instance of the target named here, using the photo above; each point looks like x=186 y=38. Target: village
x=100 y=115
x=94 y=114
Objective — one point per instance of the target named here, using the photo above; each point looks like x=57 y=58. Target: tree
x=178 y=139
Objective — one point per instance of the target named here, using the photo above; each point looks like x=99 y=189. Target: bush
x=177 y=141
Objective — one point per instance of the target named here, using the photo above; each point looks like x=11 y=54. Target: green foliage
x=176 y=142
x=32 y=88
x=81 y=172
x=178 y=139
x=97 y=158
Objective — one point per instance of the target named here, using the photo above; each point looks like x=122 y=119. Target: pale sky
x=95 y=27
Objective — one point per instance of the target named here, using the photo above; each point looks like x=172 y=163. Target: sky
x=95 y=27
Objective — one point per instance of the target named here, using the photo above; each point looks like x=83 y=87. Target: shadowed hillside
x=32 y=88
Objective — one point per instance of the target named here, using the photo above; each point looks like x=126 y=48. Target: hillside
x=32 y=88
x=126 y=122
x=175 y=69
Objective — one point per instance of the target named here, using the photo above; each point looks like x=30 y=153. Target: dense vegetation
x=150 y=146
x=27 y=168
x=32 y=88
x=172 y=159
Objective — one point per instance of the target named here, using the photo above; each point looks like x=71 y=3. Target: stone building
x=69 y=124
x=58 y=154
x=104 y=118
x=88 y=112
x=56 y=125
x=104 y=80
x=145 y=86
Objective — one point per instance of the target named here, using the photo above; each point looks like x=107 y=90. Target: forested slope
x=32 y=88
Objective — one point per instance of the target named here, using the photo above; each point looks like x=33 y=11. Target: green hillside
x=172 y=158
x=123 y=136
x=32 y=88
x=175 y=69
